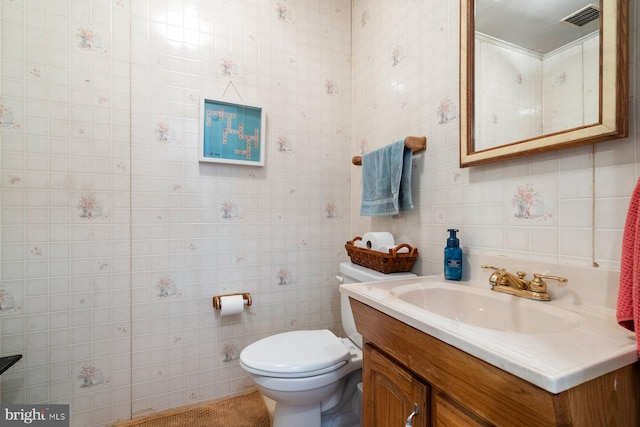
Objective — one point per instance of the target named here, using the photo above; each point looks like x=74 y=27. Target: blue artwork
x=232 y=133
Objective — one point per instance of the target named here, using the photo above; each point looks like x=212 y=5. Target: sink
x=498 y=312
x=555 y=344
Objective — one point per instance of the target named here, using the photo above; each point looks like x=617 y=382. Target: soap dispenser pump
x=453 y=257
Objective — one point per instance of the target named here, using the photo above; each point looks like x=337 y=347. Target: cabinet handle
x=413 y=414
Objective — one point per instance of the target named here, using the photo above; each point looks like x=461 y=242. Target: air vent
x=583 y=16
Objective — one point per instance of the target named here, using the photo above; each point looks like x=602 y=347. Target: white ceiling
x=532 y=24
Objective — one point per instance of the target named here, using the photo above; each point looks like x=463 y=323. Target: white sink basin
x=490 y=310
x=553 y=344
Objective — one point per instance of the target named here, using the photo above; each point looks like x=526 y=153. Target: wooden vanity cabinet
x=449 y=413
x=403 y=366
x=391 y=392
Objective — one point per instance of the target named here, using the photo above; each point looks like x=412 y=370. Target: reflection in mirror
x=543 y=83
x=539 y=76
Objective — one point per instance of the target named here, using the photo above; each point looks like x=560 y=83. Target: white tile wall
x=509 y=84
x=113 y=234
x=113 y=239
x=570 y=85
x=562 y=207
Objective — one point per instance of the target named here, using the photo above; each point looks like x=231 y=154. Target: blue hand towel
x=386 y=181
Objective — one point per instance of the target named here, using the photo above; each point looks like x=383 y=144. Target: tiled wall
x=565 y=207
x=522 y=94
x=570 y=84
x=509 y=105
x=115 y=237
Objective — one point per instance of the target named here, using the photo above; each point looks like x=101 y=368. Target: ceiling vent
x=583 y=16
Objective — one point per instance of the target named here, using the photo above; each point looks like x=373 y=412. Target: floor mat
x=247 y=410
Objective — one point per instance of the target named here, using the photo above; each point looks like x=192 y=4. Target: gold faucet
x=516 y=284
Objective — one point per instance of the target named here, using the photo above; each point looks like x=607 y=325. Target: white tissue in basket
x=386 y=249
x=377 y=239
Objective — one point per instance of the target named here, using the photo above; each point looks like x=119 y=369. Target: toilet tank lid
x=363 y=274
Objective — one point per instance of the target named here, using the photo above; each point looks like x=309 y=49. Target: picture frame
x=231 y=132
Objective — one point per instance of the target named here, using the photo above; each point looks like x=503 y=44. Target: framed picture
x=231 y=133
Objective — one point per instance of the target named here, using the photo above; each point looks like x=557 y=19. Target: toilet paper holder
x=217 y=300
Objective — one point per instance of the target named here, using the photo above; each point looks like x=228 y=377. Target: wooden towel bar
x=416 y=143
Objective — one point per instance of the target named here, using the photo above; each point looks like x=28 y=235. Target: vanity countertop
x=554 y=361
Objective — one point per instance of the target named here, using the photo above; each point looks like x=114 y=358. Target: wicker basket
x=393 y=262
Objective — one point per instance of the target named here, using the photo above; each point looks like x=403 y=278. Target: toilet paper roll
x=360 y=244
x=378 y=239
x=386 y=249
x=230 y=305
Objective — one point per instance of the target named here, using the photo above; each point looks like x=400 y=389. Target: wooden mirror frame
x=613 y=99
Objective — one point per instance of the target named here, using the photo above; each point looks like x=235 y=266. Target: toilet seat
x=295 y=354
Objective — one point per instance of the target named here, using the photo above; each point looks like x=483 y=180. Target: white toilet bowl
x=304 y=372
x=313 y=375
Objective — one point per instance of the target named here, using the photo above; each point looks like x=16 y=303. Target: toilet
x=313 y=375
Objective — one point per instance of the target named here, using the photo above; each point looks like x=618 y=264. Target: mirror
x=543 y=75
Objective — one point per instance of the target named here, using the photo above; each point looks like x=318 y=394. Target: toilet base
x=347 y=412
x=310 y=416
x=290 y=415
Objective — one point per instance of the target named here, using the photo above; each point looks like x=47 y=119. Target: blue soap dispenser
x=453 y=257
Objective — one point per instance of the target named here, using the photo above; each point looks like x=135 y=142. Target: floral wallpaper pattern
x=229 y=69
x=364 y=146
x=230 y=211
x=89 y=40
x=127 y=235
x=446 y=111
x=90 y=207
x=284 y=277
x=562 y=78
x=397 y=55
x=364 y=18
x=230 y=352
x=331 y=211
x=165 y=133
x=14 y=179
x=284 y=145
x=166 y=287
x=112 y=292
x=90 y=376
x=7 y=119
x=529 y=203
x=331 y=87
x=7 y=301
x=283 y=13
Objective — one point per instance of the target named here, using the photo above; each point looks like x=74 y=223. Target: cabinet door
x=390 y=392
x=447 y=413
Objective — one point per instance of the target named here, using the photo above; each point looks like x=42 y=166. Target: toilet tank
x=353 y=273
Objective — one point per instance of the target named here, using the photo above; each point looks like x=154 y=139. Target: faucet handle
x=495 y=276
x=538 y=285
x=546 y=276
x=520 y=274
